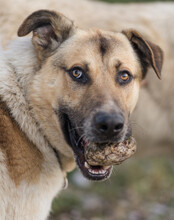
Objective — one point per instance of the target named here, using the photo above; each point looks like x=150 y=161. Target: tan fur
x=24 y=160
x=154 y=121
x=36 y=84
x=28 y=174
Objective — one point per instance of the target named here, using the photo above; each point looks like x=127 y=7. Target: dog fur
x=155 y=120
x=34 y=155
x=40 y=176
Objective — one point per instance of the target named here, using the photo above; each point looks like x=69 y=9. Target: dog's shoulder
x=23 y=160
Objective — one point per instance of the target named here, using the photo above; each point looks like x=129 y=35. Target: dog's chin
x=79 y=144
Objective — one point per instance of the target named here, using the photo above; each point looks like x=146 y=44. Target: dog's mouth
x=91 y=161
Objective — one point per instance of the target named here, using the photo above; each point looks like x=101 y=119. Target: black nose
x=108 y=124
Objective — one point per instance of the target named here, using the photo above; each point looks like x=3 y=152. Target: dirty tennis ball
x=112 y=154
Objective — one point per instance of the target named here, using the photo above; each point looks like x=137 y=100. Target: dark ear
x=149 y=54
x=49 y=28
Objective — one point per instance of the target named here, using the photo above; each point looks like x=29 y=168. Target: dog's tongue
x=112 y=154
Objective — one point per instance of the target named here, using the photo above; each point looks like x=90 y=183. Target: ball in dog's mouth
x=110 y=154
x=96 y=160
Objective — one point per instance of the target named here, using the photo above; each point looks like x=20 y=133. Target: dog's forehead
x=96 y=46
x=102 y=41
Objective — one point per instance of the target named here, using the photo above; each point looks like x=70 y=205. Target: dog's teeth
x=93 y=171
x=97 y=171
x=87 y=165
x=102 y=171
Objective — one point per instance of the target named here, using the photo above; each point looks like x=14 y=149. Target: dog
x=153 y=123
x=61 y=90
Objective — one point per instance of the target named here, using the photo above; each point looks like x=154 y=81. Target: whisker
x=83 y=135
x=75 y=128
x=137 y=127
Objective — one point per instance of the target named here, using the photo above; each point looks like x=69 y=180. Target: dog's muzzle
x=105 y=134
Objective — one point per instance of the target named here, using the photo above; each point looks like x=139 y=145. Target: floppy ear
x=149 y=54
x=49 y=28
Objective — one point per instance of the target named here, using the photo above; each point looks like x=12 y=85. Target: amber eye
x=77 y=73
x=124 y=77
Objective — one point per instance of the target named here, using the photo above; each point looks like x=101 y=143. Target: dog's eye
x=124 y=77
x=78 y=74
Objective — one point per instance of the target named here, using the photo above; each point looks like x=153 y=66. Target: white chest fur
x=28 y=201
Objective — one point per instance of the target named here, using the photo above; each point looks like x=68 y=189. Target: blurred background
x=141 y=188
x=130 y=1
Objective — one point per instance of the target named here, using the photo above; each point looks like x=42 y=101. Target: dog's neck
x=19 y=65
x=15 y=77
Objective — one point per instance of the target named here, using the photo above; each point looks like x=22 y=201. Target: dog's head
x=87 y=84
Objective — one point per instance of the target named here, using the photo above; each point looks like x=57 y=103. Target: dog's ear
x=49 y=28
x=149 y=54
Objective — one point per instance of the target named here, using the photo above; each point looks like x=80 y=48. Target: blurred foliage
x=129 y=1
x=139 y=189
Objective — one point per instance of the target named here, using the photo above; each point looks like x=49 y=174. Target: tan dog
x=153 y=120
x=60 y=91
